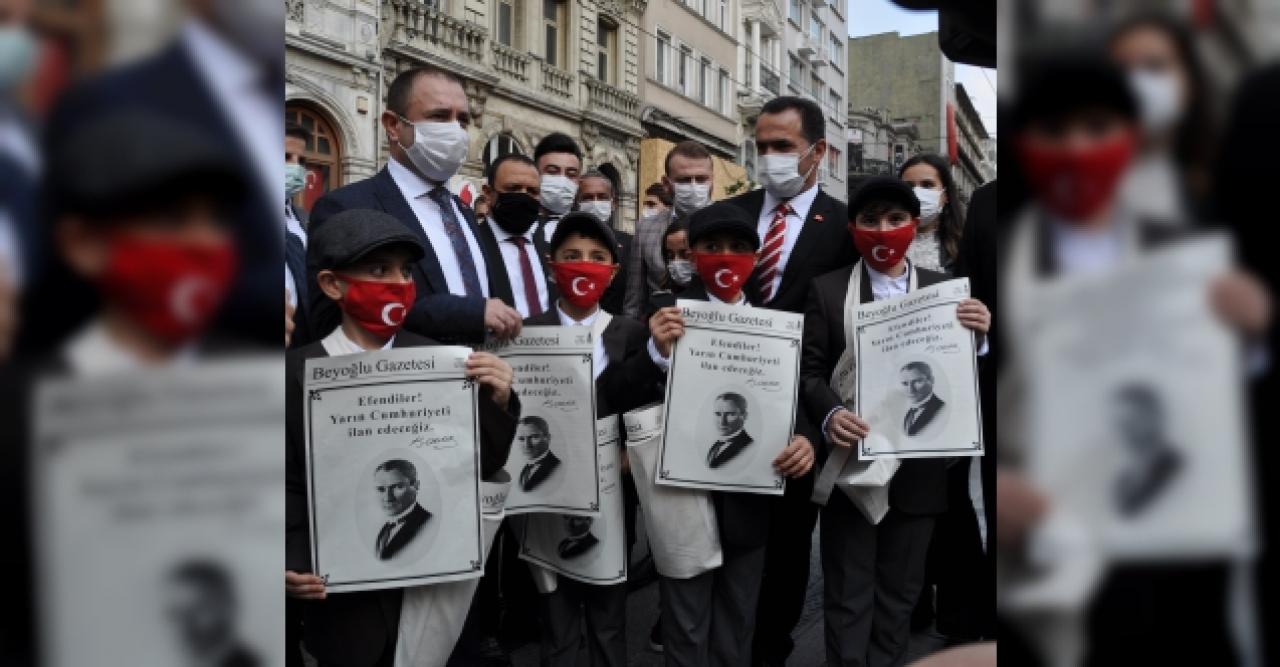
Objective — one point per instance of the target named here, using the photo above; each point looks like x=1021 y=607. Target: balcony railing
x=416 y=20
x=556 y=81
x=606 y=99
x=511 y=62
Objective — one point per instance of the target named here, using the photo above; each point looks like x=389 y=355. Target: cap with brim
x=352 y=235
x=580 y=222
x=723 y=217
x=1055 y=84
x=884 y=188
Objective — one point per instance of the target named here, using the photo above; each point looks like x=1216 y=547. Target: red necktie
x=526 y=275
x=771 y=252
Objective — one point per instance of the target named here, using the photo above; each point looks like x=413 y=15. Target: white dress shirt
x=292 y=226
x=1078 y=250
x=339 y=343
x=239 y=87
x=800 y=205
x=415 y=190
x=511 y=259
x=549 y=227
x=93 y=351
x=599 y=359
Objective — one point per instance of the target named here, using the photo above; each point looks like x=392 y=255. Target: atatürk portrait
x=200 y=603
x=916 y=380
x=730 y=413
x=1152 y=460
x=580 y=539
x=533 y=437
x=396 y=483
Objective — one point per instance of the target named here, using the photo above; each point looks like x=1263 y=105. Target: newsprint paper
x=393 y=468
x=731 y=398
x=553 y=462
x=579 y=547
x=917 y=375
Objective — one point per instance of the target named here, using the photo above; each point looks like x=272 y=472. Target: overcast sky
x=870 y=17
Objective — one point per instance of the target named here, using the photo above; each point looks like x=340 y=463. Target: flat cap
x=349 y=236
x=586 y=224
x=132 y=159
x=884 y=188
x=723 y=217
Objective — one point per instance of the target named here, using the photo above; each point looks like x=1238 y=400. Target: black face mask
x=515 y=212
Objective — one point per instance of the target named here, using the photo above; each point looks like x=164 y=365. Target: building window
x=607 y=51
x=510 y=14
x=815 y=30
x=704 y=90
x=663 y=55
x=726 y=97
x=835 y=51
x=794 y=11
x=796 y=73
x=498 y=146
x=815 y=87
x=323 y=153
x=686 y=55
x=833 y=162
x=724 y=14
x=836 y=102
x=553 y=26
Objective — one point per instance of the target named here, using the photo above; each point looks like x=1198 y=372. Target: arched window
x=498 y=146
x=323 y=154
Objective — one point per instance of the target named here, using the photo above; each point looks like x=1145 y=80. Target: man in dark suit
x=597 y=196
x=796 y=220
x=511 y=185
x=731 y=417
x=559 y=162
x=1154 y=461
x=296 y=138
x=917 y=381
x=533 y=436
x=580 y=539
x=396 y=483
x=201 y=603
x=462 y=286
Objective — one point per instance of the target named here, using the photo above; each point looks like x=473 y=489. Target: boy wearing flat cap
x=873 y=568
x=362 y=261
x=710 y=619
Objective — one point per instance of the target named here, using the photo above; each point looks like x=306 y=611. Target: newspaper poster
x=553 y=462
x=917 y=376
x=1137 y=422
x=393 y=468
x=731 y=398
x=157 y=509
x=590 y=550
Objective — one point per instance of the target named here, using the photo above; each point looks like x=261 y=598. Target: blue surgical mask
x=17 y=56
x=295 y=178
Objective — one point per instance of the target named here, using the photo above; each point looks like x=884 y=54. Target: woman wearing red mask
x=868 y=615
x=364 y=261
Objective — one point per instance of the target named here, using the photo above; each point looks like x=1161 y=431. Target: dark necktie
x=910 y=419
x=384 y=536
x=715 y=451
x=526 y=275
x=458 y=239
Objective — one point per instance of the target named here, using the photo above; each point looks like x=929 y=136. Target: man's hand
x=501 y=319
x=492 y=372
x=845 y=429
x=666 y=325
x=797 y=459
x=1019 y=508
x=303 y=586
x=288 y=318
x=1242 y=302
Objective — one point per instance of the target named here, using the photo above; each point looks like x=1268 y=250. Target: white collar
x=397 y=519
x=922 y=401
x=888 y=283
x=543 y=455
x=221 y=65
x=731 y=436
x=800 y=204
x=742 y=299
x=503 y=235
x=411 y=185
x=567 y=321
x=293 y=224
x=93 y=352
x=339 y=343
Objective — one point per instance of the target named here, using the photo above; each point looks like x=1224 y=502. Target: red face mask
x=1073 y=183
x=582 y=283
x=170 y=289
x=883 y=250
x=379 y=308
x=724 y=274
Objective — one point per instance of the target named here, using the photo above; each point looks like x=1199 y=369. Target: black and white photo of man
x=397 y=485
x=916 y=380
x=730 y=412
x=200 y=603
x=533 y=437
x=1152 y=461
x=580 y=539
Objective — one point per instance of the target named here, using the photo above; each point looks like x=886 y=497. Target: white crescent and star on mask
x=733 y=278
x=875 y=253
x=183 y=295
x=578 y=290
x=390 y=308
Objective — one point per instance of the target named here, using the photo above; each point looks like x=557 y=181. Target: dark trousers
x=872 y=575
x=964 y=574
x=709 y=619
x=604 y=610
x=786 y=572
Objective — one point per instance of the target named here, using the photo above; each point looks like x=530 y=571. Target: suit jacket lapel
x=805 y=242
x=614 y=343
x=394 y=203
x=487 y=239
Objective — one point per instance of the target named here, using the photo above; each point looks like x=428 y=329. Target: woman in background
x=937 y=239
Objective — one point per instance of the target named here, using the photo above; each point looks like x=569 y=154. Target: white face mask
x=648 y=213
x=602 y=210
x=1158 y=99
x=930 y=205
x=681 y=271
x=780 y=173
x=690 y=197
x=558 y=192
x=438 y=149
